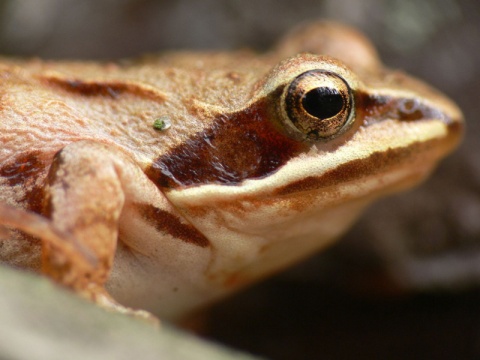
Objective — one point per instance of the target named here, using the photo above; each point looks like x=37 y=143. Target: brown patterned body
x=168 y=220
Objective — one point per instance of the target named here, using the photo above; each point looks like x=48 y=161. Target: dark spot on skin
x=238 y=146
x=90 y=88
x=164 y=221
x=234 y=76
x=111 y=89
x=29 y=172
x=25 y=167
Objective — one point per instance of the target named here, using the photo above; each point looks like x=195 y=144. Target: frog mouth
x=414 y=161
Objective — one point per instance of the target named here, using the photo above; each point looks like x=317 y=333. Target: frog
x=162 y=184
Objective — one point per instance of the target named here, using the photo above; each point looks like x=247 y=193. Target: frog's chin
x=246 y=226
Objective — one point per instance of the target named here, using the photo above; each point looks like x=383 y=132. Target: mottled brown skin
x=170 y=220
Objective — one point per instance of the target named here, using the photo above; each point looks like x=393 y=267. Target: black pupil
x=323 y=102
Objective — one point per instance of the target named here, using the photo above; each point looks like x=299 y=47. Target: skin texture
x=168 y=221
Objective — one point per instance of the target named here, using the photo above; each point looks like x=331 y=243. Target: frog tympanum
x=167 y=182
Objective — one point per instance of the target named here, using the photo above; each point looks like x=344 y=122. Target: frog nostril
x=410 y=110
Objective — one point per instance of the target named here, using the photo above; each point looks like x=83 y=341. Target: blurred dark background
x=404 y=282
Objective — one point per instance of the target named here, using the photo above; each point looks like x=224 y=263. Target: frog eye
x=318 y=104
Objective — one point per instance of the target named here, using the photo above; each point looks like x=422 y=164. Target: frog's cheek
x=237 y=146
